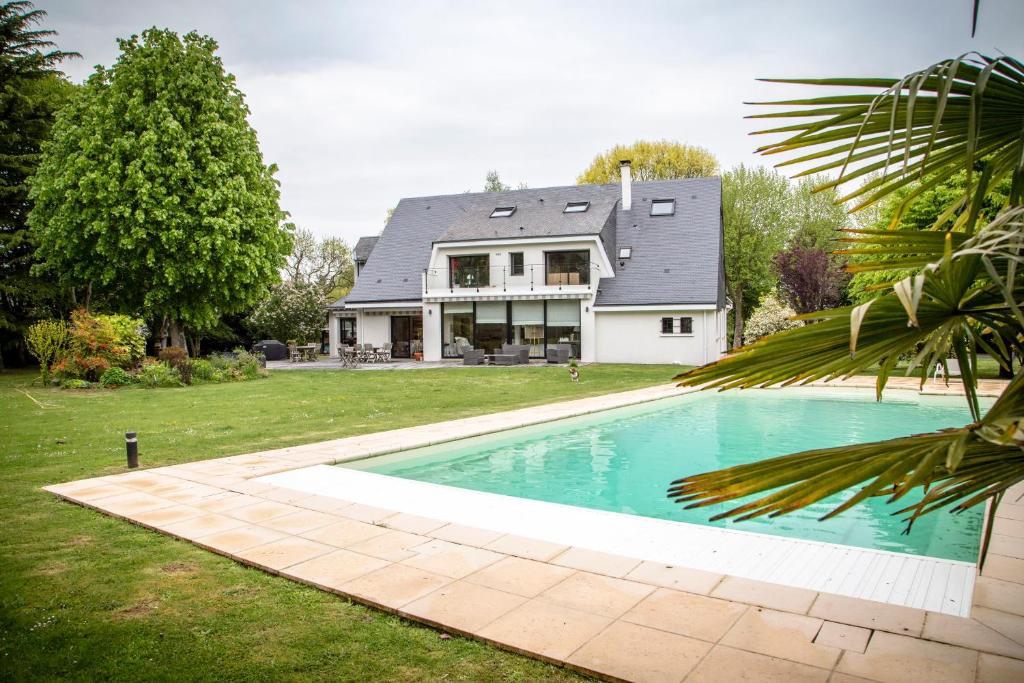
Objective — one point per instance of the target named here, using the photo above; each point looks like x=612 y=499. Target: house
x=622 y=273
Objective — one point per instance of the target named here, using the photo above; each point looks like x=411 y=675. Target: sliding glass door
x=406 y=335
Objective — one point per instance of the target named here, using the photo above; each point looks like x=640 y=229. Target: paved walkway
x=607 y=615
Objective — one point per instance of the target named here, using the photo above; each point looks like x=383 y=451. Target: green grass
x=988 y=368
x=85 y=596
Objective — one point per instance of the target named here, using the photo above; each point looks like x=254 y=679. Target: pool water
x=623 y=460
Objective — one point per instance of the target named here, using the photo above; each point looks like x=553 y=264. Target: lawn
x=85 y=596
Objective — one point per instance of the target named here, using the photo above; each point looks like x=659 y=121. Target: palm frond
x=920 y=130
x=961 y=468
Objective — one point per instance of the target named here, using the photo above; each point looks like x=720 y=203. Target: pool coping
x=431 y=573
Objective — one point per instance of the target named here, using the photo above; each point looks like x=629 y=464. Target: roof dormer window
x=576 y=207
x=503 y=212
x=663 y=207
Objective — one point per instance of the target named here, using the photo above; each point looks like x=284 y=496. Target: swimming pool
x=622 y=460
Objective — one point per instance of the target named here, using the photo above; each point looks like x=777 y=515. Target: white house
x=629 y=273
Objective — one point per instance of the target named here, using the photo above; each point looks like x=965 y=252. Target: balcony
x=530 y=277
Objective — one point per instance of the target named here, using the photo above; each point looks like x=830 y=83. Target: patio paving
x=618 y=618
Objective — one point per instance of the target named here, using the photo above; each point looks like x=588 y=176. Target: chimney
x=626 y=173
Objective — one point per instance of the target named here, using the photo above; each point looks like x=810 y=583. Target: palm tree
x=960 y=115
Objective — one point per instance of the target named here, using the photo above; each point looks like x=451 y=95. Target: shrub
x=79 y=366
x=75 y=384
x=771 y=316
x=174 y=356
x=156 y=374
x=116 y=377
x=247 y=365
x=98 y=342
x=184 y=369
x=222 y=361
x=47 y=340
x=203 y=371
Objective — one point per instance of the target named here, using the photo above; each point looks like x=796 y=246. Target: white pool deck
x=928 y=583
x=612 y=595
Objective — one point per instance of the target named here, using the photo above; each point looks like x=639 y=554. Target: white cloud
x=361 y=104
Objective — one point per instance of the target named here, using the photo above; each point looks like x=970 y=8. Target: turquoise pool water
x=623 y=460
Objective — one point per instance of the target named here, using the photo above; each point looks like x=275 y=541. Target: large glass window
x=457 y=328
x=568 y=267
x=469 y=271
x=528 y=325
x=563 y=324
x=491 y=325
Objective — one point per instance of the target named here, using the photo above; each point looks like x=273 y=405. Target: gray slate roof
x=688 y=245
x=361 y=252
x=676 y=259
x=539 y=213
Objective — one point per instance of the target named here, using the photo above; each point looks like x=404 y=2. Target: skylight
x=503 y=212
x=625 y=252
x=663 y=207
x=576 y=207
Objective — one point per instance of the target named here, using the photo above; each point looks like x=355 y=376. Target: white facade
x=528 y=299
x=634 y=334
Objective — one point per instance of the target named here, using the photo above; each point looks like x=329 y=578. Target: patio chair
x=559 y=353
x=384 y=354
x=367 y=355
x=349 y=357
x=293 y=353
x=473 y=357
x=954 y=369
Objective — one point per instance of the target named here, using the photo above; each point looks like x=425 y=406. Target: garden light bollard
x=131 y=444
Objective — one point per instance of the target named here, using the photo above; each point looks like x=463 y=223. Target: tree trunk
x=88 y=295
x=193 y=340
x=737 y=312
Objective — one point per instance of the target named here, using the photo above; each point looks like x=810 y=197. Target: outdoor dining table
x=308 y=351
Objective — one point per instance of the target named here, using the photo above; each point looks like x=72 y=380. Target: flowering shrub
x=99 y=342
x=290 y=311
x=771 y=316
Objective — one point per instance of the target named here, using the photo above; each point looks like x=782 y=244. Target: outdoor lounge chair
x=954 y=369
x=473 y=357
x=559 y=353
x=520 y=351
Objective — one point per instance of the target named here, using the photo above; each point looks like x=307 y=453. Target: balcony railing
x=504 y=278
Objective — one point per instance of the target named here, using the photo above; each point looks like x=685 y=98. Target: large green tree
x=964 y=294
x=31 y=91
x=756 y=208
x=154 y=187
x=651 y=160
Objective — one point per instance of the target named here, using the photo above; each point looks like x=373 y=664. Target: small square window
x=666 y=325
x=625 y=252
x=663 y=207
x=576 y=207
x=686 y=326
x=503 y=212
x=515 y=262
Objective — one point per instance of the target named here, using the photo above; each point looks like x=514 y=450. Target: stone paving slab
x=614 y=617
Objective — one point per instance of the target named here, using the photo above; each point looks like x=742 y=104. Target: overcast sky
x=360 y=104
